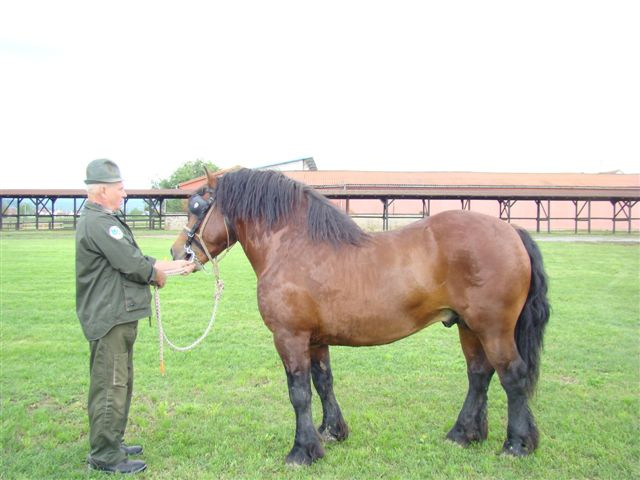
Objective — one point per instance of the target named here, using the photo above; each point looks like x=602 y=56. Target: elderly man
x=112 y=294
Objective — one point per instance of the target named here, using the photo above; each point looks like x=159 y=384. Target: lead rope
x=218 y=289
x=162 y=336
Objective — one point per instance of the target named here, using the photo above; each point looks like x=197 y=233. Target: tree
x=188 y=171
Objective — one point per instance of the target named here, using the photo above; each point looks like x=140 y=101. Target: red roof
x=349 y=177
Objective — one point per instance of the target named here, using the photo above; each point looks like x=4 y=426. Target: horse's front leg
x=294 y=352
x=333 y=425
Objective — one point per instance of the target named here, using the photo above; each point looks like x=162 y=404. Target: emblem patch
x=116 y=233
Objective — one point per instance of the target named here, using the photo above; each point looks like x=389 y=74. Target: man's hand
x=161 y=278
x=184 y=267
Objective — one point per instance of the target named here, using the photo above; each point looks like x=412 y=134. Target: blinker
x=198 y=205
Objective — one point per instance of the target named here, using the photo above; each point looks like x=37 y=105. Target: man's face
x=113 y=195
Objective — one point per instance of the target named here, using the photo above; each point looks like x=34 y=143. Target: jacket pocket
x=136 y=296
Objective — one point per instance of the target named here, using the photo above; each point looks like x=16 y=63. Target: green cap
x=102 y=171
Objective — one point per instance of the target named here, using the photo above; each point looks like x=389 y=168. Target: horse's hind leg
x=471 y=425
x=522 y=433
x=294 y=352
x=333 y=425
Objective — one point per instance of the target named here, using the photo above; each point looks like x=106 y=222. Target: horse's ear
x=211 y=178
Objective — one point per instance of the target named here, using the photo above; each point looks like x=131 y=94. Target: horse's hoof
x=326 y=436
x=464 y=438
x=337 y=434
x=516 y=448
x=300 y=456
x=460 y=442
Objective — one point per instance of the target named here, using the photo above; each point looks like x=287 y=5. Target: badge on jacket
x=115 y=232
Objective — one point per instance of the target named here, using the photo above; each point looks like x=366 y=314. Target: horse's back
x=454 y=235
x=454 y=222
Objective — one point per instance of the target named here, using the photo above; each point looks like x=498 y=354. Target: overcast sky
x=537 y=86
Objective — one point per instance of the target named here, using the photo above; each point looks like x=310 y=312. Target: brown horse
x=323 y=281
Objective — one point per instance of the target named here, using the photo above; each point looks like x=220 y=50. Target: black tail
x=535 y=314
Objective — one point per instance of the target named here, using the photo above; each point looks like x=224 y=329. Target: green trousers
x=111 y=373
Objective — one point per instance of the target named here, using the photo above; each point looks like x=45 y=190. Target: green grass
x=222 y=410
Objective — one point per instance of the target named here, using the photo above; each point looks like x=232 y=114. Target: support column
x=385 y=214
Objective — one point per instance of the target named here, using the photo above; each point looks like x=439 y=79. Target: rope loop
x=162 y=336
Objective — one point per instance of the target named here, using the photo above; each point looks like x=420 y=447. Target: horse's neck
x=259 y=242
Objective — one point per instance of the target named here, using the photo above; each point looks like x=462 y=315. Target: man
x=112 y=294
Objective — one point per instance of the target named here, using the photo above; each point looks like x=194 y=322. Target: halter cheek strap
x=194 y=235
x=202 y=218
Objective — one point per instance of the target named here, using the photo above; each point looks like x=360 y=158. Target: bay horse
x=321 y=280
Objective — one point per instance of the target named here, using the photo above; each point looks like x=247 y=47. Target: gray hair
x=92 y=188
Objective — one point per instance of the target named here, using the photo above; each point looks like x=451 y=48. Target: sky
x=492 y=86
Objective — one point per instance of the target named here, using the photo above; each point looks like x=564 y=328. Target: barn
x=379 y=200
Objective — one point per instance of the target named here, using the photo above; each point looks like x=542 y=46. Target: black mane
x=270 y=197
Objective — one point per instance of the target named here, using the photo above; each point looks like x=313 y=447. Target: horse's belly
x=376 y=329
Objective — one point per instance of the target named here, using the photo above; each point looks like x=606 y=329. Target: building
x=540 y=201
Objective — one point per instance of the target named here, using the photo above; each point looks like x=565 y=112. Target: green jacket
x=112 y=274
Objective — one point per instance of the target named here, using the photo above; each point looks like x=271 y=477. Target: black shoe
x=125 y=467
x=131 y=449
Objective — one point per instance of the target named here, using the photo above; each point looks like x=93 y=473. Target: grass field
x=222 y=410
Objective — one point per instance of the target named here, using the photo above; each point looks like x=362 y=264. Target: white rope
x=219 y=287
x=162 y=336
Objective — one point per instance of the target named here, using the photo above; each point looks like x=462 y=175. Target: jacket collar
x=97 y=208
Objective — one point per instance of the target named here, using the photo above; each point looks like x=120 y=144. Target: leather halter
x=202 y=209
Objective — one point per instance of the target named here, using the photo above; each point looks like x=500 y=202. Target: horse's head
x=207 y=232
